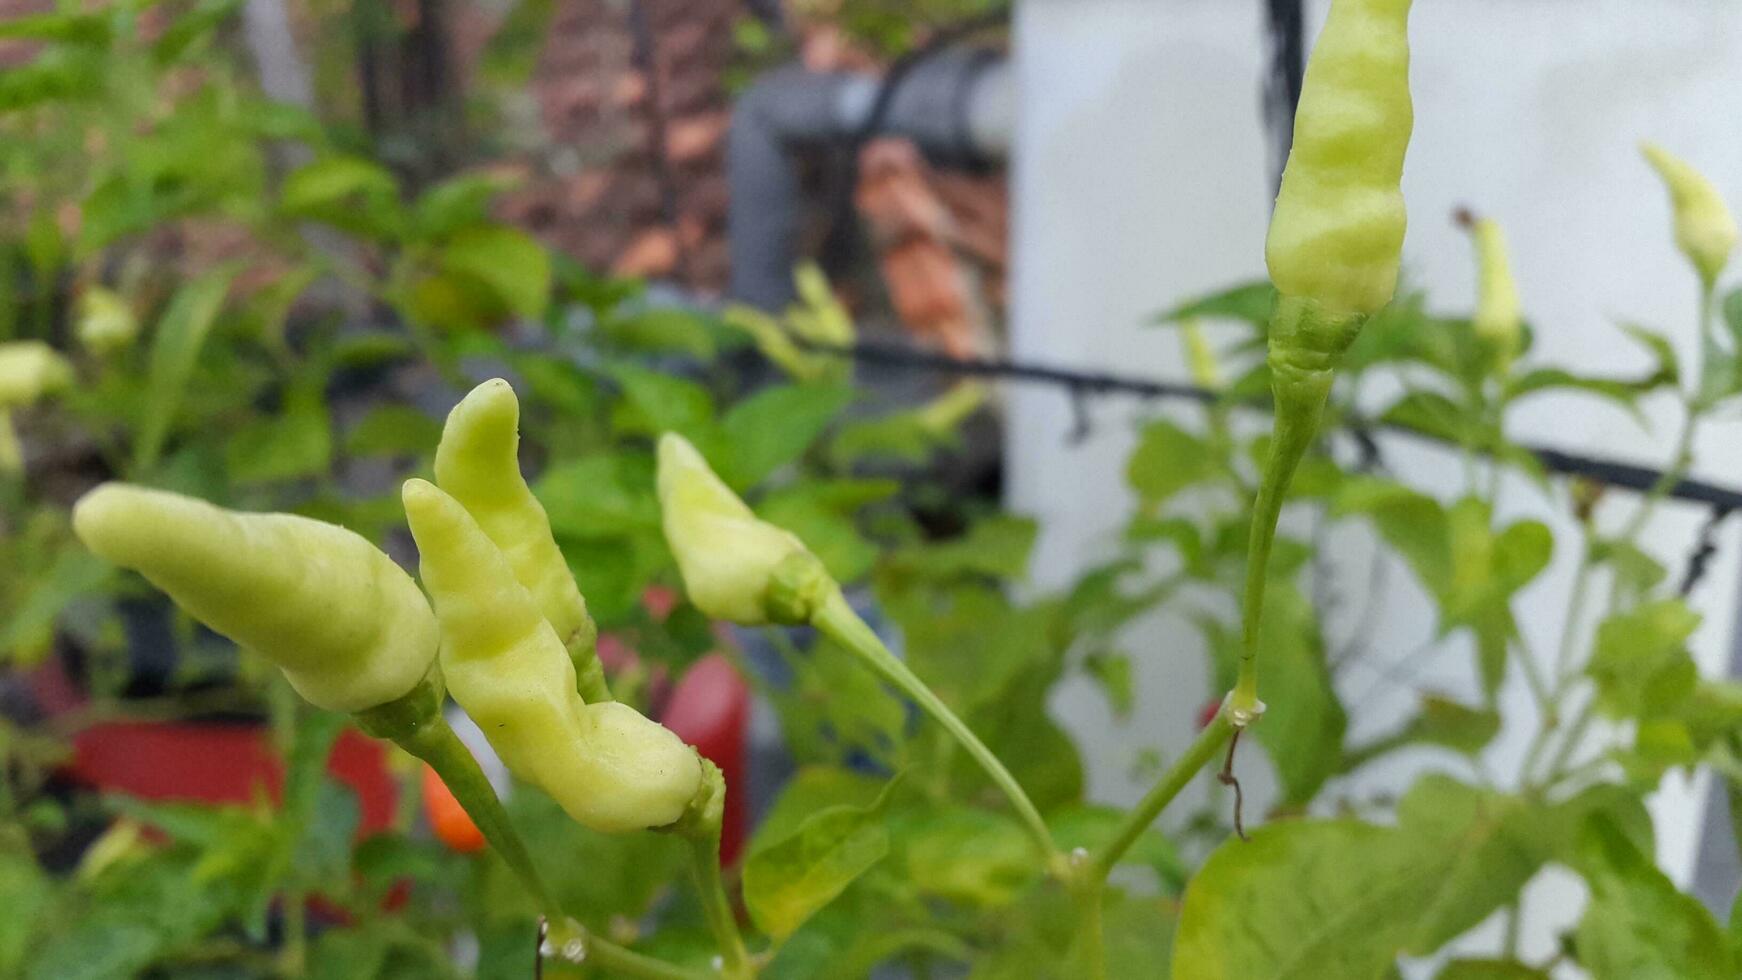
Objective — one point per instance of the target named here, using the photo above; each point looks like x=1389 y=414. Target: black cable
x=1287 y=28
x=1703 y=551
x=1082 y=384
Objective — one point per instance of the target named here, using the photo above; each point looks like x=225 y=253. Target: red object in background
x=710 y=709
x=449 y=820
x=230 y=762
x=218 y=762
x=1207 y=713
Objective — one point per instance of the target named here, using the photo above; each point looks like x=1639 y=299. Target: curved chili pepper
x=477 y=463
x=610 y=768
x=348 y=627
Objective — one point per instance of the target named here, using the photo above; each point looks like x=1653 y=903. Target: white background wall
x=1142 y=177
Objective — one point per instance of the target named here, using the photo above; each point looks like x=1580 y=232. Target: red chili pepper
x=453 y=826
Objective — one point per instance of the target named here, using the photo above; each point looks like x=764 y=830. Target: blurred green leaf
x=772 y=428
x=297 y=443
x=1489 y=970
x=181 y=333
x=655 y=403
x=1640 y=661
x=1250 y=303
x=514 y=265
x=393 y=430
x=787 y=880
x=663 y=329
x=1638 y=926
x=1167 y=460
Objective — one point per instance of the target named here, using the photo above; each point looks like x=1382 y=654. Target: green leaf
x=663 y=329
x=28 y=627
x=192 y=27
x=1667 y=370
x=605 y=495
x=1301 y=900
x=1638 y=926
x=772 y=428
x=28 y=893
x=1251 y=303
x=327 y=185
x=1622 y=393
x=56 y=75
x=1436 y=415
x=393 y=430
x=967 y=855
x=786 y=881
x=1640 y=661
x=655 y=403
x=996 y=546
x=823 y=514
x=455 y=204
x=297 y=443
x=1167 y=460
x=181 y=333
x=1455 y=726
x=1305 y=737
x=1489 y=970
x=516 y=267
x=1341 y=898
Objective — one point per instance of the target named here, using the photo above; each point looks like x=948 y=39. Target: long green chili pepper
x=348 y=627
x=477 y=463
x=1333 y=251
x=608 y=766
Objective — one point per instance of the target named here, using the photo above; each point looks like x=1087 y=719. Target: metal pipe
x=957 y=106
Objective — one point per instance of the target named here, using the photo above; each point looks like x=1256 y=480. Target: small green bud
x=30 y=369
x=1704 y=229
x=106 y=323
x=727 y=555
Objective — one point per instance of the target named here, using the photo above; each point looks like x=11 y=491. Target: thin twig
x=1227 y=778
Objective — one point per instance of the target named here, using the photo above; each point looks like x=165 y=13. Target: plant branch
x=1198 y=755
x=837 y=620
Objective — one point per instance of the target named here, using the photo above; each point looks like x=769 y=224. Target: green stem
x=1199 y=754
x=1295 y=429
x=1683 y=456
x=293 y=959
x=1563 y=661
x=436 y=744
x=1088 y=949
x=433 y=740
x=704 y=850
x=1570 y=744
x=837 y=620
x=1089 y=871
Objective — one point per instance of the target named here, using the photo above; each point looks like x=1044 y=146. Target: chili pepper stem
x=1088 y=948
x=1201 y=753
x=701 y=832
x=1088 y=872
x=436 y=743
x=836 y=619
x=1297 y=424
